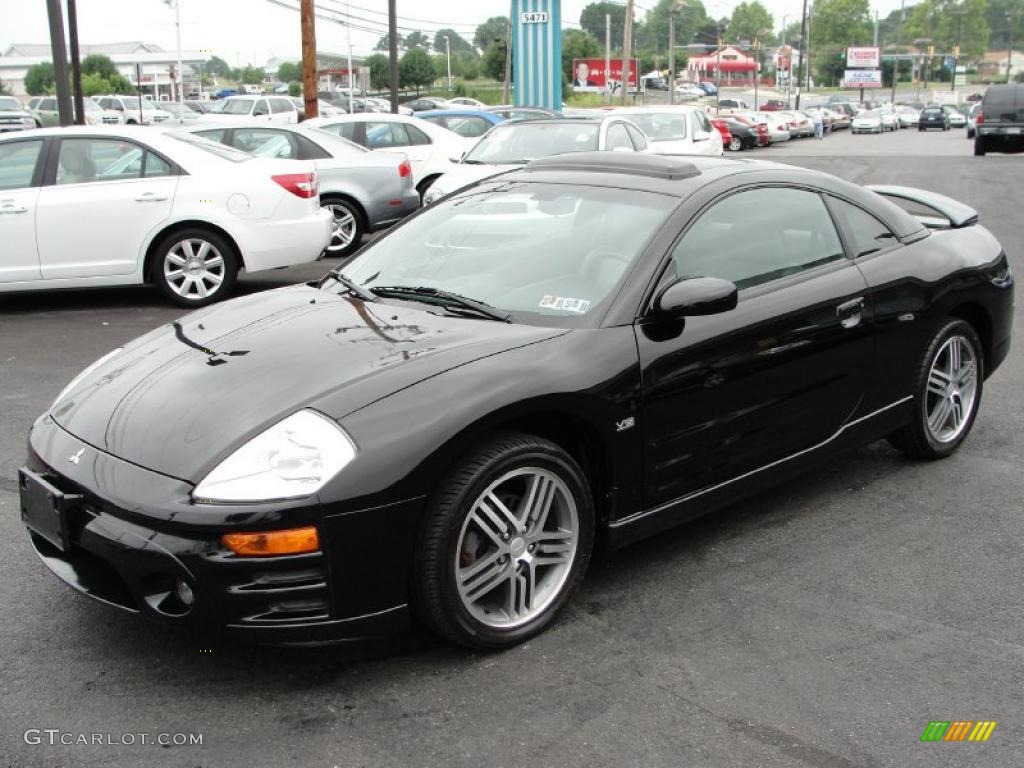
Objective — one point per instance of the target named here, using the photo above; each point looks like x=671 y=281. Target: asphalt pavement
x=822 y=624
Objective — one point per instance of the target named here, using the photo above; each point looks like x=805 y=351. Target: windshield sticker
x=565 y=304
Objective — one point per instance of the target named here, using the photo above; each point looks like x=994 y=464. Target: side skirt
x=860 y=431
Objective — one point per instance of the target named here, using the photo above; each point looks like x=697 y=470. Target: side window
x=703 y=122
x=309 y=150
x=216 y=134
x=260 y=108
x=384 y=135
x=468 y=126
x=18 y=163
x=266 y=142
x=156 y=166
x=436 y=120
x=281 y=105
x=617 y=137
x=639 y=140
x=759 y=235
x=86 y=160
x=867 y=233
x=416 y=136
x=345 y=130
x=48 y=105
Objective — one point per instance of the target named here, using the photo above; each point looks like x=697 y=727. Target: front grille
x=159 y=118
x=110 y=120
x=273 y=590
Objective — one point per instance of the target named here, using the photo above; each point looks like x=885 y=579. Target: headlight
x=77 y=380
x=433 y=194
x=28 y=121
x=293 y=458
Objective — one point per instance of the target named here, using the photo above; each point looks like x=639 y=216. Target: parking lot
x=822 y=624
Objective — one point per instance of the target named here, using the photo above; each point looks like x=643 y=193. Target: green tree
x=1005 y=18
x=378 y=64
x=417 y=40
x=289 y=72
x=493 y=62
x=251 y=75
x=415 y=69
x=577 y=44
x=294 y=89
x=495 y=28
x=94 y=85
x=749 y=20
x=217 y=67
x=98 y=64
x=469 y=65
x=653 y=30
x=835 y=25
x=947 y=22
x=4 y=90
x=592 y=19
x=458 y=43
x=39 y=79
x=384 y=43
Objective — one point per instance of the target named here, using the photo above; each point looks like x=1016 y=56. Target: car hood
x=182 y=397
x=12 y=113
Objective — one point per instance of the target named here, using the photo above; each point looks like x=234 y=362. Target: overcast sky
x=251 y=31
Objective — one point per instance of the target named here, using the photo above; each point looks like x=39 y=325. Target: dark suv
x=1000 y=123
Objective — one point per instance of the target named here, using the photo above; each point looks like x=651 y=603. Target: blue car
x=709 y=88
x=465 y=122
x=223 y=93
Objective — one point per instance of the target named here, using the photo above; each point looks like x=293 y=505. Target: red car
x=773 y=105
x=723 y=128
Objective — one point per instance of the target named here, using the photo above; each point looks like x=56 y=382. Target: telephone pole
x=309 y=77
x=607 y=48
x=60 y=61
x=76 y=64
x=508 y=60
x=393 y=54
x=627 y=40
x=896 y=61
x=803 y=54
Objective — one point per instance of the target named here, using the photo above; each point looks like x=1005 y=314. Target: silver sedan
x=365 y=190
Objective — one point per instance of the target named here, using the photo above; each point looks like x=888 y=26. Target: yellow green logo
x=958 y=730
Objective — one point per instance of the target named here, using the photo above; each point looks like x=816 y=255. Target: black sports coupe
x=594 y=344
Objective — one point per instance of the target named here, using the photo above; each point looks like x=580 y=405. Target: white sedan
x=868 y=121
x=98 y=206
x=431 y=149
x=260 y=109
x=678 y=130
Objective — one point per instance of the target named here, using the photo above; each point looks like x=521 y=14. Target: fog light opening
x=184 y=593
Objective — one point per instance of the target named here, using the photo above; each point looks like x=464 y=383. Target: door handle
x=11 y=208
x=150 y=197
x=850 y=312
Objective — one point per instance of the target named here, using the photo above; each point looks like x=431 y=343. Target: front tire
x=735 y=144
x=347 y=228
x=194 y=267
x=504 y=544
x=947 y=392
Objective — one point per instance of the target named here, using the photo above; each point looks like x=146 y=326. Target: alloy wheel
x=952 y=389
x=194 y=268
x=516 y=547
x=343 y=227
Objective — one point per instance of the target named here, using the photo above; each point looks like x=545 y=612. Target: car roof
x=457 y=113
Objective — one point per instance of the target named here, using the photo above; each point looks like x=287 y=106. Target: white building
x=145 y=65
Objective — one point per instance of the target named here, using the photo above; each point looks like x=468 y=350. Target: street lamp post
x=676 y=5
x=448 y=54
x=180 y=74
x=756 y=47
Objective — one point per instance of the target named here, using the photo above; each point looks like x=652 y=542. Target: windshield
x=10 y=105
x=91 y=106
x=132 y=103
x=869 y=114
x=661 y=126
x=233 y=107
x=553 y=250
x=523 y=142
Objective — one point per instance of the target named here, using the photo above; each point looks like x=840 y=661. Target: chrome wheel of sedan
x=194 y=269
x=516 y=547
x=343 y=228
x=952 y=388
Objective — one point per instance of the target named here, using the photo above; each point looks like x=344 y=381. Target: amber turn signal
x=294 y=541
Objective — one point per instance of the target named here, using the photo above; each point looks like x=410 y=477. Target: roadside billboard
x=588 y=75
x=863 y=58
x=862 y=78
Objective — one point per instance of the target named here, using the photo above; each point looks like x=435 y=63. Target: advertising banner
x=863 y=78
x=588 y=75
x=863 y=58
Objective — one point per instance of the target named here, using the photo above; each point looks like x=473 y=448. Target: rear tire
x=194 y=267
x=735 y=144
x=504 y=544
x=347 y=229
x=979 y=146
x=947 y=391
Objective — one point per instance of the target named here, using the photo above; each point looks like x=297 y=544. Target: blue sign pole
x=537 y=53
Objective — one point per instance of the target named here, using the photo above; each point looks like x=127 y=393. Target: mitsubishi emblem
x=76 y=457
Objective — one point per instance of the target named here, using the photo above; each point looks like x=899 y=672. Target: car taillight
x=404 y=169
x=980 y=118
x=303 y=185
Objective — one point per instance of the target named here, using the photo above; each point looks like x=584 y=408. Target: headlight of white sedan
x=434 y=193
x=294 y=458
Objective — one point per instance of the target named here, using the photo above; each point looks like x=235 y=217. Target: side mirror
x=689 y=297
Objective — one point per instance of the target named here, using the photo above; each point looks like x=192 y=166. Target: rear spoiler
x=956 y=213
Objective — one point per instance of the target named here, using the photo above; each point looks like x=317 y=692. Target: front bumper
x=126 y=549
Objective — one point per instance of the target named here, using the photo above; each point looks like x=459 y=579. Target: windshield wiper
x=352 y=286
x=442 y=298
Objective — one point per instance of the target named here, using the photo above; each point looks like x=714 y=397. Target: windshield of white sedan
x=10 y=105
x=524 y=142
x=541 y=248
x=662 y=126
